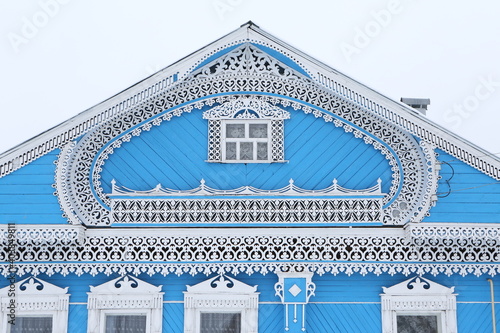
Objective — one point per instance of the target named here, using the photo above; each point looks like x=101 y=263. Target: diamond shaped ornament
x=294 y=290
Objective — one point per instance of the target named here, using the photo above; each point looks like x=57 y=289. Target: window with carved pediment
x=246 y=130
x=34 y=305
x=125 y=305
x=418 y=305
x=221 y=305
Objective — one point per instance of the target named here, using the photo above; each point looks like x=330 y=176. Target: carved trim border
x=401 y=210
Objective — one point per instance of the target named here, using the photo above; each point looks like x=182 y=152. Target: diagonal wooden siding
x=343 y=318
x=173 y=318
x=77 y=318
x=174 y=155
x=271 y=318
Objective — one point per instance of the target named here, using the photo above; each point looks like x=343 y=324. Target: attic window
x=245 y=141
x=246 y=130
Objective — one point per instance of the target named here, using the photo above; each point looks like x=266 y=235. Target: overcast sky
x=60 y=57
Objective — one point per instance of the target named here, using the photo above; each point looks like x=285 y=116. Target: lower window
x=125 y=324
x=418 y=324
x=224 y=322
x=32 y=325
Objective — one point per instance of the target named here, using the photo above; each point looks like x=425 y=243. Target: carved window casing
x=36 y=303
x=419 y=304
x=223 y=299
x=246 y=130
x=111 y=304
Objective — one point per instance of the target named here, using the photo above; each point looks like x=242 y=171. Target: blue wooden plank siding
x=173 y=318
x=27 y=195
x=345 y=318
x=465 y=194
x=341 y=303
x=77 y=318
x=175 y=152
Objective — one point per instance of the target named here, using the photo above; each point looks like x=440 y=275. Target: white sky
x=83 y=52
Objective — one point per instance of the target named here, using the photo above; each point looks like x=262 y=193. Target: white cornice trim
x=242 y=232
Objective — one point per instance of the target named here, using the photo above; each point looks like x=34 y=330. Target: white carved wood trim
x=42 y=234
x=221 y=294
x=419 y=296
x=125 y=295
x=33 y=296
x=474 y=250
x=409 y=197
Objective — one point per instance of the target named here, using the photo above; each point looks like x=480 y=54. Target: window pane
x=125 y=324
x=230 y=150
x=258 y=130
x=220 y=323
x=246 y=151
x=235 y=130
x=417 y=324
x=262 y=150
x=32 y=325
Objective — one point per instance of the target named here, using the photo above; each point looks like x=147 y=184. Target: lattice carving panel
x=246 y=210
x=261 y=251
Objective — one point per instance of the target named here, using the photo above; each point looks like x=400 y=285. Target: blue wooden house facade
x=249 y=188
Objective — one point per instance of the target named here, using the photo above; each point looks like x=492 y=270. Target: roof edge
x=346 y=87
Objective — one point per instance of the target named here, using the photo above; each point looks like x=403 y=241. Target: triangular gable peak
x=129 y=294
x=221 y=294
x=229 y=79
x=249 y=59
x=305 y=67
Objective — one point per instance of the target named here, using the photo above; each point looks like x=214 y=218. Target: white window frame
x=422 y=297
x=247 y=138
x=222 y=310
x=438 y=314
x=9 y=327
x=126 y=312
x=218 y=295
x=37 y=298
x=125 y=295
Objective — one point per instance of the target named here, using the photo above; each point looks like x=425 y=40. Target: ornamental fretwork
x=203 y=204
x=78 y=179
x=246 y=108
x=222 y=250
